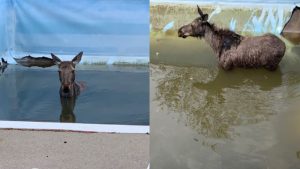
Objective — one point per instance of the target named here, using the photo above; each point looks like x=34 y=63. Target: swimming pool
x=113 y=95
x=204 y=117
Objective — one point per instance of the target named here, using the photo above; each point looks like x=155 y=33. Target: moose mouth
x=66 y=90
x=183 y=35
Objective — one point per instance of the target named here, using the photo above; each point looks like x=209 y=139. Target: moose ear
x=199 y=11
x=204 y=17
x=56 y=60
x=77 y=58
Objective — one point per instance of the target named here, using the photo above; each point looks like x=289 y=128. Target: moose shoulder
x=234 y=50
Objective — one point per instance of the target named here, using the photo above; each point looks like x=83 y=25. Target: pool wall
x=250 y=18
x=109 y=32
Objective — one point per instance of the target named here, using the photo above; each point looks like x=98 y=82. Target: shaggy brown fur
x=234 y=50
x=222 y=39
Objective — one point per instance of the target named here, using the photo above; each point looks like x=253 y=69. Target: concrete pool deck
x=33 y=149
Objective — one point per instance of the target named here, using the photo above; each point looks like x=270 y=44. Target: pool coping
x=75 y=127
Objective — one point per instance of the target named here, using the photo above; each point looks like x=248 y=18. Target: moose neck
x=212 y=38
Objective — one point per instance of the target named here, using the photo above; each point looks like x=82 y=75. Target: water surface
x=113 y=95
x=204 y=117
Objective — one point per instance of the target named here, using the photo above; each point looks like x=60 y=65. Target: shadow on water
x=2 y=69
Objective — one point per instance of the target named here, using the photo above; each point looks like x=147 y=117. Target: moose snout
x=182 y=33
x=66 y=88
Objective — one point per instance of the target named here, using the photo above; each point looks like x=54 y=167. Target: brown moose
x=69 y=88
x=234 y=50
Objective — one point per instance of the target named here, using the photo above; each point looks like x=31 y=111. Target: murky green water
x=113 y=95
x=205 y=118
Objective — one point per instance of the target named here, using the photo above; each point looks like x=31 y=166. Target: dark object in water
x=291 y=30
x=234 y=50
x=3 y=65
x=29 y=61
x=67 y=108
x=68 y=88
x=3 y=62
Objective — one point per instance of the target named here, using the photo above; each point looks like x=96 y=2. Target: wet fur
x=234 y=50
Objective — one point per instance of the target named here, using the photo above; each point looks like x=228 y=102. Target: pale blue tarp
x=111 y=28
x=4 y=8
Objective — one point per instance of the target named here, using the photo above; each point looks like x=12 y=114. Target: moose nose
x=181 y=33
x=66 y=88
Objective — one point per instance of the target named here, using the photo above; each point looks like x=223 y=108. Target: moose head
x=196 y=28
x=67 y=75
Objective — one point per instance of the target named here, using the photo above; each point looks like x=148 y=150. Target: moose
x=234 y=50
x=3 y=65
x=68 y=88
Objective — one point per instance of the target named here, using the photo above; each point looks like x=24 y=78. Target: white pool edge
x=77 y=127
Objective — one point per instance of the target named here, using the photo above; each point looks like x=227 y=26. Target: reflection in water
x=212 y=119
x=67 y=108
x=3 y=65
x=2 y=69
x=20 y=87
x=213 y=101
